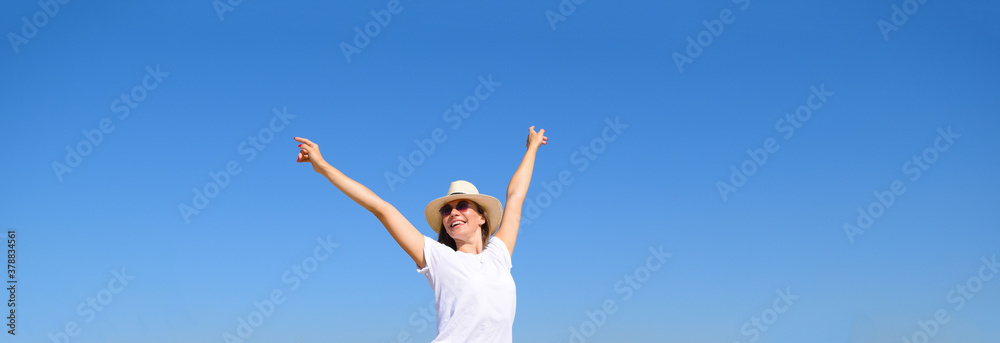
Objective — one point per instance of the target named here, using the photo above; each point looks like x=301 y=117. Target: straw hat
x=465 y=190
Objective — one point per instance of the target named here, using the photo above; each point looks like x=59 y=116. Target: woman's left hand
x=536 y=139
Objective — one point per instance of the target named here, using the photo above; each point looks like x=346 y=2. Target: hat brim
x=490 y=205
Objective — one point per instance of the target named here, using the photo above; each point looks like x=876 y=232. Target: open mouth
x=456 y=224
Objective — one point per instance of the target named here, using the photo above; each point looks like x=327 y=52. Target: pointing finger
x=305 y=141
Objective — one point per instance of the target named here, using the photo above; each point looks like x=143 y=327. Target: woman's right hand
x=310 y=153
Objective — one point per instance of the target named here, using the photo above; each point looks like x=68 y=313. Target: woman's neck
x=469 y=247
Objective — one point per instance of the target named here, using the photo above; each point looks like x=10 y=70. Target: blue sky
x=203 y=89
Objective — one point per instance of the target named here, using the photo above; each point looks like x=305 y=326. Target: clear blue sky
x=197 y=85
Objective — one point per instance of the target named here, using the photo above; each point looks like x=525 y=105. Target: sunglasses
x=460 y=206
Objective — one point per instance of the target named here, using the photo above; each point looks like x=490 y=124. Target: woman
x=468 y=270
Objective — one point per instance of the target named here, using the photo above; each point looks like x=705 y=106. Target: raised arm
x=407 y=236
x=518 y=189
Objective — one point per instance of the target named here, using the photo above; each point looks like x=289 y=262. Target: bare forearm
x=522 y=177
x=353 y=189
x=408 y=237
x=518 y=189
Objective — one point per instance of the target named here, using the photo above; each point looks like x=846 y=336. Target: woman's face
x=462 y=224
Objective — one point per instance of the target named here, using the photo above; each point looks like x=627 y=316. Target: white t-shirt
x=474 y=295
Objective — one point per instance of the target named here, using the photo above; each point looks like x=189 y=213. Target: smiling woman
x=464 y=257
x=451 y=220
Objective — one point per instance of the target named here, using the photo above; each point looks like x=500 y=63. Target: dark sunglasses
x=460 y=206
